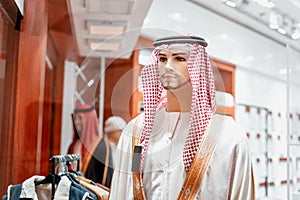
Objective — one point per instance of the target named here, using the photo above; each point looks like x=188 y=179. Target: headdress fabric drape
x=90 y=127
x=203 y=98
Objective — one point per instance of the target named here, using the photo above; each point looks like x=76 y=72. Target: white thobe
x=163 y=175
x=228 y=175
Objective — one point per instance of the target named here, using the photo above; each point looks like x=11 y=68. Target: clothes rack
x=58 y=159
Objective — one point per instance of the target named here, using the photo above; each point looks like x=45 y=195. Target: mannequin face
x=78 y=123
x=114 y=136
x=172 y=68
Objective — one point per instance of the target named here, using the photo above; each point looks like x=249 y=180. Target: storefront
x=44 y=75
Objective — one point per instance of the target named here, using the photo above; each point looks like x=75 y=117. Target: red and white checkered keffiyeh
x=203 y=98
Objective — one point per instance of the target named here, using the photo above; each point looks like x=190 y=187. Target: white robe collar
x=29 y=188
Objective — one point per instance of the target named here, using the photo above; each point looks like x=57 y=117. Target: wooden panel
x=57 y=112
x=9 y=98
x=118 y=88
x=33 y=93
x=11 y=11
x=65 y=44
x=29 y=108
x=59 y=19
x=54 y=86
x=225 y=81
x=60 y=29
x=226 y=110
x=3 y=46
x=121 y=94
x=3 y=37
x=2 y=83
x=24 y=97
x=52 y=51
x=137 y=96
x=47 y=120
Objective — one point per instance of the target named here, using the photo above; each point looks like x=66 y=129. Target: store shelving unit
x=266 y=133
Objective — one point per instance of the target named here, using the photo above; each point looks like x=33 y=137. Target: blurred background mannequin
x=99 y=162
x=85 y=130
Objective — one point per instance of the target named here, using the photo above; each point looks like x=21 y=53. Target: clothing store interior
x=59 y=58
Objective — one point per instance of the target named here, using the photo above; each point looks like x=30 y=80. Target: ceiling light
x=296 y=34
x=121 y=7
x=275 y=20
x=288 y=24
x=106 y=27
x=266 y=12
x=102 y=45
x=266 y=3
x=231 y=4
x=281 y=30
x=235 y=3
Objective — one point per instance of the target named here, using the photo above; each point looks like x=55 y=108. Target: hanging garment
x=98 y=165
x=29 y=190
x=100 y=191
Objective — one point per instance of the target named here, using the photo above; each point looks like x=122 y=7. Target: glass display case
x=266 y=133
x=293 y=120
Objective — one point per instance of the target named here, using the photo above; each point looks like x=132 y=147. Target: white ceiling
x=254 y=16
x=232 y=36
x=113 y=15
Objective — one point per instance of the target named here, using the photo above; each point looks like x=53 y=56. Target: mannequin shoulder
x=229 y=126
x=136 y=121
x=134 y=124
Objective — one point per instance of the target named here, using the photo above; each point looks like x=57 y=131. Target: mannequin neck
x=179 y=100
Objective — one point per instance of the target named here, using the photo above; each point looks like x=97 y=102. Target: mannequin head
x=113 y=128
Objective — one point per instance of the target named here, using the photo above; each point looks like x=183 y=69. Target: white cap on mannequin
x=114 y=123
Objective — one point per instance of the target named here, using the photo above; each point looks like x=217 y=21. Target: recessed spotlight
x=231 y=4
x=281 y=30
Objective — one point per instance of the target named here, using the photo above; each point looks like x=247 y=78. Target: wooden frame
x=12 y=12
x=227 y=84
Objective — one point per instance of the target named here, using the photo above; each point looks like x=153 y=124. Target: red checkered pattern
x=203 y=99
